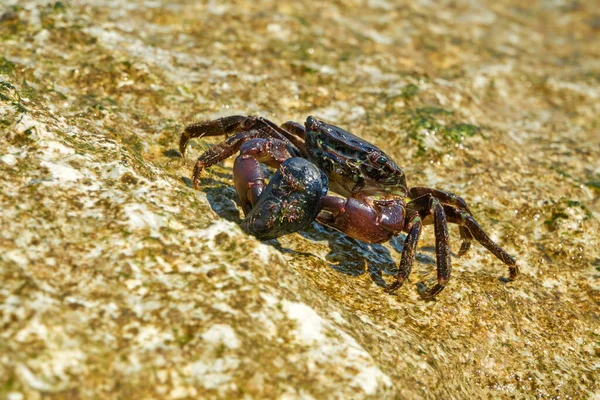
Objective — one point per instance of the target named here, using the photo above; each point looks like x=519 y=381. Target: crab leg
x=295 y=128
x=234 y=124
x=462 y=218
x=221 y=151
x=268 y=151
x=453 y=200
x=442 y=249
x=272 y=151
x=444 y=197
x=413 y=227
x=217 y=127
x=427 y=205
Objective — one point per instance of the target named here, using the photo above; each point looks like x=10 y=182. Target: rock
x=119 y=280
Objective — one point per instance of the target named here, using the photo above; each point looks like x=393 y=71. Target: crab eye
x=381 y=160
x=378 y=158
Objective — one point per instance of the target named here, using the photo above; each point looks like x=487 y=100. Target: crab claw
x=290 y=202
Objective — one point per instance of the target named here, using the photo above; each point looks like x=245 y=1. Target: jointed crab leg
x=221 y=151
x=234 y=124
x=413 y=226
x=450 y=199
x=268 y=151
x=216 y=127
x=243 y=128
x=462 y=218
x=444 y=197
x=427 y=205
x=295 y=128
x=378 y=223
x=255 y=142
x=442 y=249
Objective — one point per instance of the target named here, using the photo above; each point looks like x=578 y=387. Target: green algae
x=6 y=67
x=409 y=91
x=559 y=212
x=434 y=120
x=593 y=184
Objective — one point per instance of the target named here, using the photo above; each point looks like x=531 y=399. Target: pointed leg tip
x=429 y=294
x=196 y=174
x=183 y=142
x=513 y=272
x=390 y=289
x=196 y=181
x=464 y=248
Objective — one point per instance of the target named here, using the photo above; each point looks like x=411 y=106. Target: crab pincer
x=289 y=203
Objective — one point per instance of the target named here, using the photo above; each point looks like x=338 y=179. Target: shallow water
x=119 y=280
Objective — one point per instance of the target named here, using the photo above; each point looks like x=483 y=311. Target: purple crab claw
x=290 y=202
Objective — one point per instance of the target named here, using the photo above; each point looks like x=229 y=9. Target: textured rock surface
x=118 y=280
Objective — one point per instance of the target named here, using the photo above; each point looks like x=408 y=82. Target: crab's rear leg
x=442 y=213
x=466 y=220
x=428 y=205
x=450 y=199
x=380 y=222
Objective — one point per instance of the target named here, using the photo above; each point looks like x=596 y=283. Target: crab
x=372 y=201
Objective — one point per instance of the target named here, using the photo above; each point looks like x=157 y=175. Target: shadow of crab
x=353 y=257
x=221 y=198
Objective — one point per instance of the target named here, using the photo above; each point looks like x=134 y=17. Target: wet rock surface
x=118 y=279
